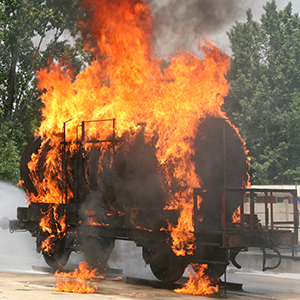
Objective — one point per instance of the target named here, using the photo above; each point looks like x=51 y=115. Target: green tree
x=32 y=33
x=264 y=100
x=9 y=166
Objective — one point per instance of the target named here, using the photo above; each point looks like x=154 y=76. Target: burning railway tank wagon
x=111 y=189
x=140 y=150
x=114 y=189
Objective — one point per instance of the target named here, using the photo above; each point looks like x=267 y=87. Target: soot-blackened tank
x=126 y=196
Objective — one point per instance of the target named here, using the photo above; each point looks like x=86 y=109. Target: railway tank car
x=119 y=194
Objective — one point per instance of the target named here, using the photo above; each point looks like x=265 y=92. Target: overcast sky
x=282 y=3
x=258 y=10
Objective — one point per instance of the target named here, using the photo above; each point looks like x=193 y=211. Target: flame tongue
x=183 y=234
x=54 y=225
x=236 y=216
x=77 y=281
x=198 y=284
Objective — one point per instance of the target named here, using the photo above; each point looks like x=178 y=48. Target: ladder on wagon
x=82 y=138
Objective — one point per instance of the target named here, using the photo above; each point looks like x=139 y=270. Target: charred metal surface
x=32 y=147
x=230 y=286
x=35 y=212
x=136 y=217
x=179 y=284
x=220 y=161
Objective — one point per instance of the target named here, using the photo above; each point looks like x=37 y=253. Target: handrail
x=267 y=191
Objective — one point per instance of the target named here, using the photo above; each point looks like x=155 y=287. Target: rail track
x=117 y=274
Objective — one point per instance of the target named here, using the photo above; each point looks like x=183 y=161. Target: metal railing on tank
x=273 y=231
x=81 y=138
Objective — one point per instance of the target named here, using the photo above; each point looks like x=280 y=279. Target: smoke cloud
x=17 y=251
x=176 y=22
x=128 y=257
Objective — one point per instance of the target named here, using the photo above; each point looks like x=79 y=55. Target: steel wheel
x=58 y=257
x=166 y=266
x=97 y=251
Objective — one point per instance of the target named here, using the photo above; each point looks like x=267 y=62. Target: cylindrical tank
x=220 y=161
x=130 y=177
x=118 y=187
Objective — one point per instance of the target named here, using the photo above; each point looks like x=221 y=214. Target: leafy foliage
x=32 y=33
x=9 y=156
x=264 y=101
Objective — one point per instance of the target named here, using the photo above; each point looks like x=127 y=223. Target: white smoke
x=17 y=250
x=128 y=257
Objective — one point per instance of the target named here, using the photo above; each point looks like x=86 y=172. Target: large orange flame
x=129 y=82
x=77 y=281
x=198 y=284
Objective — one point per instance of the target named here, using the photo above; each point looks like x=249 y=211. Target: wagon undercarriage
x=213 y=247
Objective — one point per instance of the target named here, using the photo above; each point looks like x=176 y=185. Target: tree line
x=264 y=99
x=263 y=102
x=32 y=33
